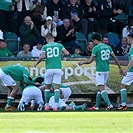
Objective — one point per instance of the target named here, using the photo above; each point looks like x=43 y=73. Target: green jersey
x=5 y=4
x=53 y=52
x=102 y=54
x=130 y=54
x=6 y=53
x=18 y=73
x=76 y=55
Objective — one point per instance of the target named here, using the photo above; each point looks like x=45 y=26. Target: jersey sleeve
x=26 y=77
x=62 y=47
x=44 y=48
x=131 y=52
x=94 y=50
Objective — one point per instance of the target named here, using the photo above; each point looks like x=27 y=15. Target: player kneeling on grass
x=65 y=93
x=8 y=77
x=63 y=106
x=29 y=93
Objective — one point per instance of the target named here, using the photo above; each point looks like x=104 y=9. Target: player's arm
x=130 y=64
x=40 y=59
x=65 y=52
x=116 y=61
x=90 y=60
x=27 y=79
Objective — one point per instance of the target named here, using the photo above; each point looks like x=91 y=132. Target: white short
x=60 y=103
x=53 y=76
x=66 y=93
x=128 y=79
x=6 y=80
x=101 y=78
x=31 y=93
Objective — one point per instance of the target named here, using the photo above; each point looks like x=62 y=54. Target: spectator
x=123 y=48
x=105 y=40
x=54 y=9
x=73 y=11
x=4 y=51
x=6 y=15
x=48 y=27
x=38 y=13
x=108 y=10
x=23 y=10
x=25 y=52
x=125 y=31
x=1 y=35
x=28 y=32
x=88 y=50
x=91 y=14
x=65 y=34
x=77 y=52
x=37 y=49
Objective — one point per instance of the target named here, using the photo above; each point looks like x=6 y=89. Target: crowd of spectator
x=31 y=20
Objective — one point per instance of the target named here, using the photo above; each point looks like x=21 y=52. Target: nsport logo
x=78 y=71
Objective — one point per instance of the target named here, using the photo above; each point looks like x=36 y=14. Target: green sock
x=56 y=95
x=123 y=96
x=77 y=107
x=9 y=101
x=105 y=97
x=47 y=95
x=98 y=99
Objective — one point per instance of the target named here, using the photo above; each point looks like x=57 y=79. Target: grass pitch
x=66 y=122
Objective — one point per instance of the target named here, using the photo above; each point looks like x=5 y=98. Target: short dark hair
x=39 y=79
x=78 y=47
x=105 y=37
x=96 y=37
x=49 y=36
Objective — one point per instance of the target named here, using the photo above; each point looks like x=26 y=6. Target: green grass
x=66 y=122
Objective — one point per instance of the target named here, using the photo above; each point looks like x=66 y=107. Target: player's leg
x=47 y=95
x=98 y=100
x=48 y=82
x=27 y=96
x=56 y=96
x=38 y=99
x=8 y=81
x=12 y=93
x=126 y=81
x=80 y=107
x=65 y=93
x=57 y=82
x=101 y=79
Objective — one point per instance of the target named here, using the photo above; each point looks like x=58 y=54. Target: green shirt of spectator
x=4 y=52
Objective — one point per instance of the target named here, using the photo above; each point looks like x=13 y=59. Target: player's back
x=15 y=71
x=53 y=52
x=102 y=54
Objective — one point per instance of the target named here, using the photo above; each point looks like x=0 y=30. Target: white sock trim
x=98 y=92
x=123 y=89
x=103 y=91
x=10 y=97
x=56 y=90
x=46 y=90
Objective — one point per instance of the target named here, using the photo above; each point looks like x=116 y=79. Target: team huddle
x=48 y=93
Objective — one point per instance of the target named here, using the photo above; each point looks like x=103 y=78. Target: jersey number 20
x=52 y=52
